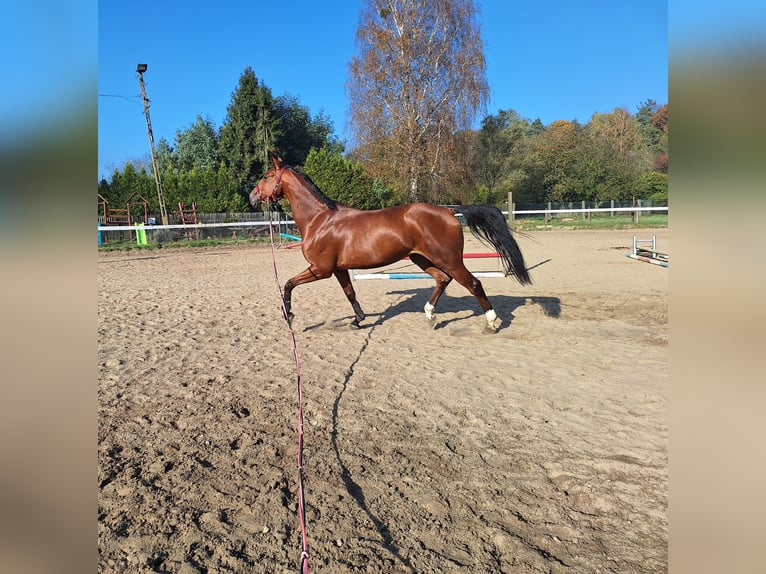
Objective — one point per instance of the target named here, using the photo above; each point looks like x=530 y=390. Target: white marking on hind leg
x=429 y=309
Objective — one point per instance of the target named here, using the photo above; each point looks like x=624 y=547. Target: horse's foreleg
x=305 y=276
x=344 y=279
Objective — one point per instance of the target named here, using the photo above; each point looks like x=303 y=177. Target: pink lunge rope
x=304 y=563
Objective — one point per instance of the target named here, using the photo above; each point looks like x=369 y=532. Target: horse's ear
x=276 y=161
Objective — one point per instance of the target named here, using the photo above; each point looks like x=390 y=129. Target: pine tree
x=249 y=131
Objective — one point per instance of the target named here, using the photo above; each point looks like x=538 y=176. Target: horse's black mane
x=314 y=188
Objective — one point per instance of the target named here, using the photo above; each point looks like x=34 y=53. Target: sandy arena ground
x=541 y=448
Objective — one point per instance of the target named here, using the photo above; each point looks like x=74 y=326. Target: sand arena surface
x=541 y=448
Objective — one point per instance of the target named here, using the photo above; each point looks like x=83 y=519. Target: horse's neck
x=304 y=204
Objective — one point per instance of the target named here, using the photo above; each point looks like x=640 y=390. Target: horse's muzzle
x=255 y=197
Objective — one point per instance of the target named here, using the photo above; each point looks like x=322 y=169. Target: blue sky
x=552 y=59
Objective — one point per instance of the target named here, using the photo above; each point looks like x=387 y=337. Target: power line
x=132 y=99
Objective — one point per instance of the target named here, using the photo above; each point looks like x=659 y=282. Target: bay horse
x=337 y=238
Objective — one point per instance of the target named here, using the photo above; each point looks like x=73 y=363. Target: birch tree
x=417 y=79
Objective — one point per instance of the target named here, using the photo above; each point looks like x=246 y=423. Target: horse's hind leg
x=441 y=278
x=345 y=282
x=474 y=286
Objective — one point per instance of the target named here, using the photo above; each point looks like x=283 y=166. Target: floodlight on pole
x=140 y=69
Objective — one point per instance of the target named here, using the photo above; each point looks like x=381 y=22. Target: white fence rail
x=193 y=225
x=546 y=212
x=585 y=210
x=286 y=227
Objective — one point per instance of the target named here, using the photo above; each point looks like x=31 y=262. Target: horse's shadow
x=413 y=300
x=352 y=487
x=504 y=306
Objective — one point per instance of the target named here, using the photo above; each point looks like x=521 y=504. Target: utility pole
x=141 y=68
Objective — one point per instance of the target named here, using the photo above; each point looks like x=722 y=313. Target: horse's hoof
x=355 y=324
x=490 y=328
x=493 y=323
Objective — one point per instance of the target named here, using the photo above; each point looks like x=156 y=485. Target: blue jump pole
x=361 y=276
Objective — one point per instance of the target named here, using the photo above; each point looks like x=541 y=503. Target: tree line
x=615 y=156
x=216 y=168
x=416 y=85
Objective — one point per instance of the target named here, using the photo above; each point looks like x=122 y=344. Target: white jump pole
x=659 y=262
x=362 y=276
x=497 y=274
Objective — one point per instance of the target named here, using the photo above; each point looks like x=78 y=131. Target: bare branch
x=417 y=79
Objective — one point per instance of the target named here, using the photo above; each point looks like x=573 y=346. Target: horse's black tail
x=488 y=224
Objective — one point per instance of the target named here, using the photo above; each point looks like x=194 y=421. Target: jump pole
x=362 y=276
x=652 y=254
x=495 y=274
x=651 y=260
x=294 y=238
x=476 y=255
x=655 y=258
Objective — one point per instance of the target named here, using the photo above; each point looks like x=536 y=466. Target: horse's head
x=269 y=188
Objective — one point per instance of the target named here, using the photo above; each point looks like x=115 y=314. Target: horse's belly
x=367 y=255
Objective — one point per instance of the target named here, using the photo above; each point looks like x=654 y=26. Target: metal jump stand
x=648 y=255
